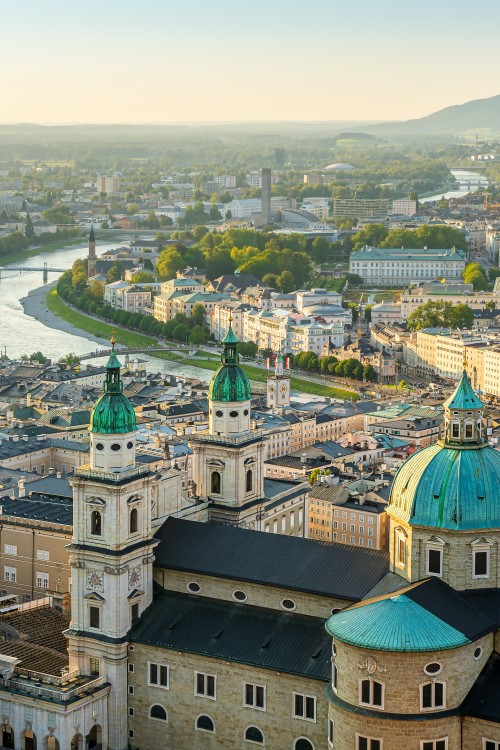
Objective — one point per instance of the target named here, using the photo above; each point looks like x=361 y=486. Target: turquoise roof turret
x=230 y=383
x=113 y=413
x=394 y=623
x=463 y=397
x=454 y=484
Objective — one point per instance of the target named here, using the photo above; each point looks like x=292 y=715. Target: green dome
x=113 y=413
x=394 y=623
x=449 y=488
x=230 y=383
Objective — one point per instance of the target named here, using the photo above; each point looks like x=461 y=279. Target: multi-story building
x=361 y=208
x=225 y=180
x=290 y=332
x=492 y=241
x=108 y=184
x=395 y=266
x=133 y=298
x=456 y=294
x=404 y=207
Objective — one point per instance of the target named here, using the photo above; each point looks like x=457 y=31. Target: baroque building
x=416 y=663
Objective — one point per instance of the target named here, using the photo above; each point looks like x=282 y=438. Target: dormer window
x=455 y=430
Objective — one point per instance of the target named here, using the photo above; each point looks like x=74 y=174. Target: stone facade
x=227 y=711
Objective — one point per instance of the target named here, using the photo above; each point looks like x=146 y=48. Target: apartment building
x=361 y=208
x=395 y=266
x=404 y=207
x=108 y=184
x=348 y=514
x=456 y=294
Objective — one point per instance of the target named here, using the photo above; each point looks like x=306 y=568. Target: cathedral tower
x=111 y=553
x=278 y=387
x=228 y=461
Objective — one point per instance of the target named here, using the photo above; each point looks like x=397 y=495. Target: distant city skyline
x=157 y=61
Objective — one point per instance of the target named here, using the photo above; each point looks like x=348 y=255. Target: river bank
x=35 y=305
x=53 y=309
x=31 y=252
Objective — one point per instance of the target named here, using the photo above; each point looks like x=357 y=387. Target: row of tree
x=439 y=314
x=439 y=236
x=346 y=368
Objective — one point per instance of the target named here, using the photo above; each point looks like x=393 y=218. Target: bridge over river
x=45 y=270
x=138 y=350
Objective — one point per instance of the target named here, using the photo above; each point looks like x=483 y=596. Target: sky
x=67 y=61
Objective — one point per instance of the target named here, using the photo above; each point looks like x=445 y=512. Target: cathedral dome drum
x=230 y=383
x=454 y=484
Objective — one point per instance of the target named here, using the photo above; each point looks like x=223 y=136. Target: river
x=23 y=334
x=468 y=182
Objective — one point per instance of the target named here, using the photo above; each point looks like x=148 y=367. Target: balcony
x=85 y=471
x=239 y=438
x=62 y=689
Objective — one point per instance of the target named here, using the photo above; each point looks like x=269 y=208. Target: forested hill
x=480 y=115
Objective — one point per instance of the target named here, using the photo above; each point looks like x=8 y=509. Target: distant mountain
x=480 y=115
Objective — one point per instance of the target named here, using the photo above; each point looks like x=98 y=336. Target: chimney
x=21 y=487
x=51 y=472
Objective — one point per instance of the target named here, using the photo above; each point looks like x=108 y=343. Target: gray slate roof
x=281 y=641
x=286 y=562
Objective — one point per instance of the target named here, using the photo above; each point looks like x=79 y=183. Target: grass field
x=30 y=252
x=206 y=361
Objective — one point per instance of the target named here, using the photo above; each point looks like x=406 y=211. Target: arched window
x=95 y=523
x=249 y=480
x=253 y=734
x=157 y=712
x=205 y=723
x=133 y=520
x=215 y=483
x=303 y=744
x=371 y=693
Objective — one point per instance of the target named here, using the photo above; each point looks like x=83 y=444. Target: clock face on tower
x=271 y=389
x=283 y=389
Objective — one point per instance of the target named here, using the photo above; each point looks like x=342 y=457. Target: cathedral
x=192 y=635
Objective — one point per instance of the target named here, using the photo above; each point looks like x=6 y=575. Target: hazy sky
x=205 y=60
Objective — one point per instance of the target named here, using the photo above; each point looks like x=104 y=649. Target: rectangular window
x=367 y=743
x=94 y=617
x=434 y=744
x=401 y=551
x=158 y=675
x=481 y=563
x=434 y=562
x=134 y=612
x=9 y=574
x=304 y=707
x=10 y=549
x=42 y=554
x=204 y=685
x=490 y=745
x=42 y=580
x=432 y=695
x=131 y=711
x=254 y=696
x=130 y=689
x=95 y=666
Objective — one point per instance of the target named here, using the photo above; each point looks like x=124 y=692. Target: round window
x=433 y=668
x=246 y=412
x=477 y=652
x=240 y=596
x=233 y=414
x=288 y=604
x=335 y=610
x=130 y=444
x=218 y=413
x=193 y=587
x=115 y=446
x=99 y=447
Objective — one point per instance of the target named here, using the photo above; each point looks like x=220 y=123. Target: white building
x=455 y=294
x=244 y=207
x=404 y=207
x=395 y=266
x=225 y=180
x=108 y=184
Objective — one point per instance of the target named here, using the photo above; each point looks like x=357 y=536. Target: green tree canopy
x=437 y=314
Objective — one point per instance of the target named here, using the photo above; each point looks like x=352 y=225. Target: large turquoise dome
x=113 y=413
x=454 y=484
x=230 y=383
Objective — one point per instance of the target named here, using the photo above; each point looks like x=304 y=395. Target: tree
x=181 y=332
x=286 y=282
x=270 y=279
x=369 y=373
x=197 y=335
x=402 y=385
x=116 y=272
x=199 y=232
x=247 y=348
x=96 y=290
x=476 y=275
x=70 y=359
x=169 y=262
x=436 y=314
x=29 y=230
x=197 y=315
x=38 y=357
x=491 y=305
x=320 y=250
x=144 y=277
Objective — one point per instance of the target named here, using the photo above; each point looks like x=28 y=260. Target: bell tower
x=228 y=461
x=278 y=387
x=111 y=553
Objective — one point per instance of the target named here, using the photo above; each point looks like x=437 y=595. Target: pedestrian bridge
x=137 y=350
